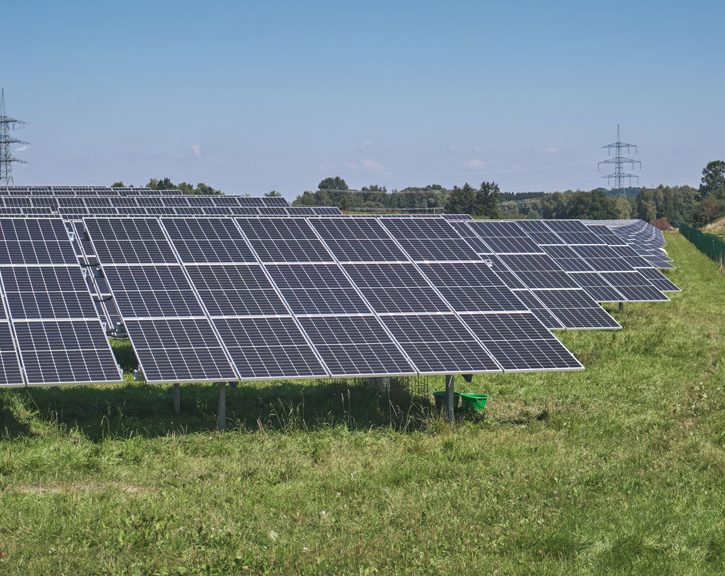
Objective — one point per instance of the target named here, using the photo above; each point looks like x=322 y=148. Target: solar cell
x=317 y=289
x=439 y=344
x=471 y=287
x=268 y=348
x=355 y=346
x=537 y=271
x=538 y=309
x=35 y=241
x=358 y=240
x=634 y=286
x=284 y=240
x=575 y=309
x=47 y=292
x=602 y=258
x=179 y=350
x=597 y=287
x=429 y=239
x=152 y=291
x=65 y=352
x=235 y=290
x=567 y=259
x=519 y=342
x=395 y=288
x=129 y=241
x=504 y=237
x=659 y=280
x=10 y=374
x=200 y=240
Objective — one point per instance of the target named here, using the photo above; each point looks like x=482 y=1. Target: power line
x=6 y=157
x=619 y=161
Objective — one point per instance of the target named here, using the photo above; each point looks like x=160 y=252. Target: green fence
x=709 y=244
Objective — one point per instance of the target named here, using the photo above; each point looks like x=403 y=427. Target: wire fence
x=709 y=244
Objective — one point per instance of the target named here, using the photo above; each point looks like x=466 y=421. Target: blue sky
x=254 y=96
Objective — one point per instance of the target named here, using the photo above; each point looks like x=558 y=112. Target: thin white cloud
x=21 y=149
x=372 y=166
x=551 y=150
x=196 y=150
x=474 y=163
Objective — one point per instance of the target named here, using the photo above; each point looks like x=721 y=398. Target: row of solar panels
x=210 y=299
x=78 y=212
x=84 y=191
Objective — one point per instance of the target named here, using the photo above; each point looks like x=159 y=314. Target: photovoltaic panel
x=658 y=280
x=355 y=346
x=47 y=292
x=268 y=348
x=65 y=352
x=129 y=241
x=179 y=350
x=519 y=342
x=471 y=238
x=537 y=271
x=502 y=271
x=317 y=289
x=284 y=240
x=10 y=374
x=503 y=237
x=631 y=257
x=152 y=291
x=575 y=309
x=395 y=288
x=567 y=259
x=634 y=286
x=605 y=234
x=429 y=239
x=597 y=287
x=236 y=290
x=538 y=309
x=358 y=240
x=200 y=240
x=471 y=287
x=602 y=258
x=35 y=241
x=439 y=344
x=539 y=232
x=573 y=232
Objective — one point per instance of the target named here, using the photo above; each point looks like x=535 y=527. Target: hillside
x=717 y=227
x=618 y=469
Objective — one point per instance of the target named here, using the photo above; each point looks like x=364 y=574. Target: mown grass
x=616 y=470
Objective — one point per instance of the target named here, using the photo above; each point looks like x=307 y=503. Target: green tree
x=488 y=200
x=332 y=183
x=461 y=200
x=163 y=184
x=273 y=194
x=713 y=177
x=118 y=184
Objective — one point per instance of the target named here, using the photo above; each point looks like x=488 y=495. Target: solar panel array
x=282 y=294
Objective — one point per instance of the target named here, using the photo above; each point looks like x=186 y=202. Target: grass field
x=619 y=469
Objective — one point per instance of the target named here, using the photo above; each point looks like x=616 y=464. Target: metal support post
x=621 y=306
x=176 y=395
x=221 y=421
x=450 y=398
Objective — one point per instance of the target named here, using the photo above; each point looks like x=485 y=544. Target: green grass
x=615 y=470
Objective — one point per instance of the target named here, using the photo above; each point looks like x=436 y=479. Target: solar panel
x=538 y=309
x=268 y=348
x=35 y=241
x=129 y=241
x=395 y=288
x=284 y=240
x=659 y=280
x=207 y=240
x=539 y=232
x=358 y=240
x=10 y=374
x=235 y=290
x=471 y=287
x=567 y=259
x=179 y=350
x=503 y=237
x=317 y=289
x=573 y=232
x=355 y=346
x=519 y=342
x=537 y=271
x=152 y=291
x=597 y=287
x=65 y=352
x=46 y=292
x=429 y=239
x=634 y=286
x=575 y=309
x=602 y=258
x=439 y=344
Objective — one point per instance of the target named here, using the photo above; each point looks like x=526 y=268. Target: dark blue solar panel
x=129 y=241
x=10 y=374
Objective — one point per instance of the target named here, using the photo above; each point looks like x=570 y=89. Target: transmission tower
x=619 y=175
x=6 y=157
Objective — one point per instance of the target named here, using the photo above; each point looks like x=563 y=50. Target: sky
x=254 y=96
